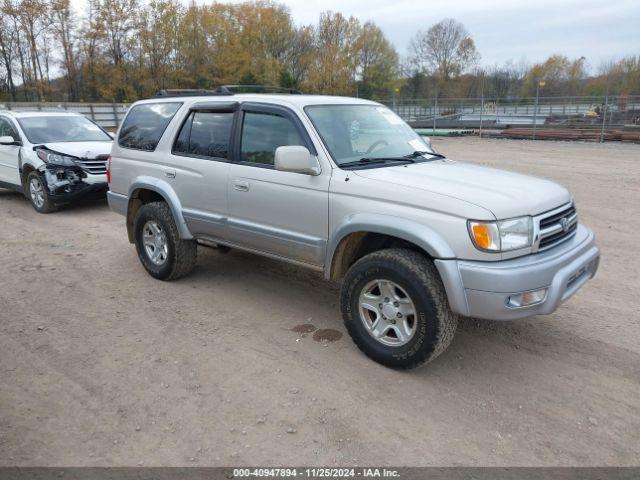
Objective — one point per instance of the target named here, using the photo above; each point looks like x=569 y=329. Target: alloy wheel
x=155 y=242
x=387 y=312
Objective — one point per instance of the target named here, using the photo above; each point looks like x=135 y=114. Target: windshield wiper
x=418 y=153
x=376 y=160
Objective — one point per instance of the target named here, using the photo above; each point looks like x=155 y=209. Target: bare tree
x=299 y=58
x=446 y=49
x=118 y=21
x=90 y=52
x=33 y=17
x=63 y=28
x=7 y=52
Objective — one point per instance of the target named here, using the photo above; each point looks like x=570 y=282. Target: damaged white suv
x=52 y=157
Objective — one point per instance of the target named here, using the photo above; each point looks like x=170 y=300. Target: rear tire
x=36 y=191
x=162 y=252
x=395 y=308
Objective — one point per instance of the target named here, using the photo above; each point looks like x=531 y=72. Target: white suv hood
x=81 y=149
x=505 y=194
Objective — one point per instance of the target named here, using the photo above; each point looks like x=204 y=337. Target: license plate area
x=583 y=271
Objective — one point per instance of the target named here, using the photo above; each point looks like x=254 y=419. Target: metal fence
x=107 y=115
x=579 y=118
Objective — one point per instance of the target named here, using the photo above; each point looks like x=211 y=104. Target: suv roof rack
x=258 y=89
x=187 y=92
x=226 y=90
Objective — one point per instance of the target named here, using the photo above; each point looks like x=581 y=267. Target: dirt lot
x=102 y=365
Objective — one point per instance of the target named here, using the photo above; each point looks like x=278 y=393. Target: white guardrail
x=107 y=115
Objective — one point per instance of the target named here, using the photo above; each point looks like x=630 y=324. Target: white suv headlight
x=503 y=235
x=53 y=158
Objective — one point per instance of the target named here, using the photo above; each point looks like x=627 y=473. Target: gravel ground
x=102 y=365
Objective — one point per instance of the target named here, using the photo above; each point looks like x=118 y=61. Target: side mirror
x=7 y=140
x=296 y=159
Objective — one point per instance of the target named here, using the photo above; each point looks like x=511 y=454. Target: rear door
x=275 y=212
x=201 y=154
x=9 y=154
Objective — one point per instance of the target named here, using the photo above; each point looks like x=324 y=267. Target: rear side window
x=262 y=133
x=205 y=134
x=145 y=124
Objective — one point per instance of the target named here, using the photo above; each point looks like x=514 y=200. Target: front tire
x=395 y=308
x=37 y=192
x=162 y=252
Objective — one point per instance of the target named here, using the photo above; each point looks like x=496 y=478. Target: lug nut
x=386 y=299
x=399 y=315
x=396 y=304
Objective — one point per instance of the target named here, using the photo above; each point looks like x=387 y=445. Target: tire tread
x=424 y=271
x=185 y=251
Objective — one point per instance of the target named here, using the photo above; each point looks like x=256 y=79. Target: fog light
x=527 y=298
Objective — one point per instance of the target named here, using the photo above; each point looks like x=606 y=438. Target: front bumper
x=80 y=191
x=66 y=184
x=482 y=289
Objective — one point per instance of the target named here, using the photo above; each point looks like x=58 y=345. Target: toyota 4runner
x=344 y=186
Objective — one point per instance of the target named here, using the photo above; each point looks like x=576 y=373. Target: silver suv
x=344 y=186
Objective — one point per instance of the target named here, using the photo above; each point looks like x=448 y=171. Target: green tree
x=377 y=61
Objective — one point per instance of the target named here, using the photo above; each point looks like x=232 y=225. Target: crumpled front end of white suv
x=69 y=177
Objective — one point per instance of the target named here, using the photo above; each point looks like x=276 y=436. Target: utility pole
x=604 y=117
x=539 y=84
x=481 y=99
x=604 y=110
x=435 y=110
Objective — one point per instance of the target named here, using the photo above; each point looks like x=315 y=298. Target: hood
x=81 y=149
x=505 y=194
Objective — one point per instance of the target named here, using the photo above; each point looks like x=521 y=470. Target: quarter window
x=7 y=130
x=262 y=133
x=145 y=124
x=205 y=134
x=181 y=145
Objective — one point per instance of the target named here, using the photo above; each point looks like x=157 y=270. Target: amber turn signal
x=482 y=235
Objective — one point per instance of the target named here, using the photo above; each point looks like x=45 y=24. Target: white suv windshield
x=52 y=129
x=353 y=132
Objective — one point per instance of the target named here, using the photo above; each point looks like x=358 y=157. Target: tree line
x=123 y=50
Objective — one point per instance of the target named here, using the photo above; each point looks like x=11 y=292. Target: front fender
x=424 y=237
x=165 y=190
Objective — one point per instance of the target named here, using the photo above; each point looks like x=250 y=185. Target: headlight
x=55 y=158
x=503 y=235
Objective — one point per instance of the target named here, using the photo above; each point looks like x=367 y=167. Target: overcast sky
x=529 y=30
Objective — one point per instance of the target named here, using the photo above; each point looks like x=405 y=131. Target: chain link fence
x=600 y=119
x=571 y=118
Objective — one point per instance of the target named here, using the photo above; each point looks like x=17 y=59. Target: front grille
x=557 y=226
x=93 y=166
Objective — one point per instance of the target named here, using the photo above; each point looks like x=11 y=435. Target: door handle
x=170 y=173
x=241 y=186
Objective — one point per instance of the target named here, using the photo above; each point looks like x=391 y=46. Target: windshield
x=353 y=132
x=53 y=129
